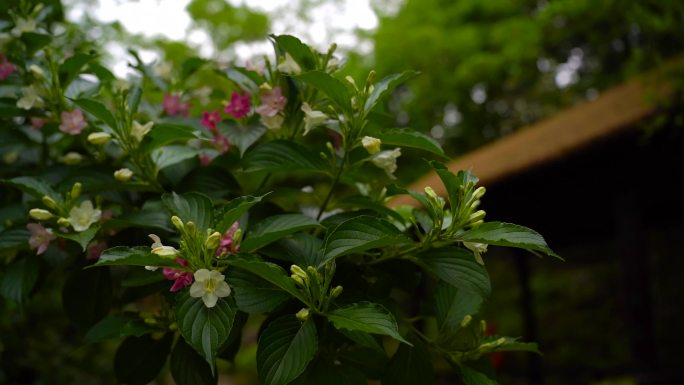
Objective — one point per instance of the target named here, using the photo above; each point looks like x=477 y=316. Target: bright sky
x=330 y=22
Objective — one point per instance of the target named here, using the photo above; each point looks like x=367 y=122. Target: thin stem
x=332 y=188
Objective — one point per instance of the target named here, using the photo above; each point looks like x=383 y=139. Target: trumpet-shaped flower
x=73 y=122
x=40 y=237
x=239 y=105
x=22 y=26
x=83 y=216
x=371 y=144
x=478 y=249
x=161 y=250
x=138 y=131
x=289 y=66
x=387 y=160
x=272 y=102
x=210 y=286
x=181 y=278
x=312 y=118
x=29 y=98
x=228 y=244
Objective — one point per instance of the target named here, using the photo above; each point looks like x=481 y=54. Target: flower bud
x=178 y=223
x=123 y=174
x=63 y=222
x=334 y=293
x=297 y=279
x=151 y=268
x=213 y=240
x=479 y=192
x=303 y=314
x=76 y=190
x=37 y=71
x=99 y=138
x=371 y=144
x=296 y=270
x=40 y=214
x=466 y=320
x=190 y=227
x=477 y=215
x=351 y=81
x=72 y=158
x=49 y=202
x=371 y=77
x=483 y=326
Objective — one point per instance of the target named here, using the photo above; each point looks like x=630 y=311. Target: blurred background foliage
x=487 y=69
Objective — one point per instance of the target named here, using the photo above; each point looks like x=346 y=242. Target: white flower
x=272 y=123
x=37 y=71
x=22 y=25
x=478 y=249
x=138 y=131
x=387 y=160
x=29 y=98
x=123 y=174
x=371 y=144
x=210 y=286
x=81 y=217
x=161 y=250
x=312 y=118
x=289 y=66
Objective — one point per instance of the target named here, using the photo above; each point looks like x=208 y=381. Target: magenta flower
x=38 y=123
x=95 y=250
x=6 y=67
x=205 y=159
x=272 y=102
x=211 y=119
x=40 y=237
x=181 y=278
x=239 y=105
x=227 y=242
x=73 y=122
x=173 y=105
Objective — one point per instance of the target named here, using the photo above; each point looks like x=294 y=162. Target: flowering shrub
x=269 y=197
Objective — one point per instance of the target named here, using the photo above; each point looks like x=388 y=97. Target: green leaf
x=165 y=133
x=302 y=249
x=19 y=279
x=470 y=376
x=139 y=360
x=71 y=67
x=455 y=184
x=14 y=238
x=192 y=206
x=87 y=295
x=325 y=370
x=243 y=80
x=269 y=272
x=409 y=138
x=385 y=87
x=457 y=267
x=98 y=110
x=35 y=41
x=242 y=136
x=134 y=256
x=331 y=87
x=33 y=186
x=205 y=329
x=363 y=339
x=151 y=218
x=285 y=348
x=276 y=227
x=360 y=234
x=282 y=155
x=410 y=365
x=366 y=317
x=254 y=294
x=169 y=155
x=452 y=305
x=508 y=234
x=191 y=65
x=188 y=367
x=83 y=238
x=117 y=325
x=213 y=180
x=231 y=212
x=134 y=96
x=299 y=51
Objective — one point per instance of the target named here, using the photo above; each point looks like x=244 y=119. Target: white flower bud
x=99 y=138
x=123 y=174
x=371 y=144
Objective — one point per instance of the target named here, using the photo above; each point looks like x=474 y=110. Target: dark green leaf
x=114 y=326
x=360 y=234
x=409 y=366
x=192 y=65
x=139 y=360
x=326 y=371
x=169 y=155
x=192 y=206
x=302 y=249
x=71 y=67
x=133 y=256
x=276 y=227
x=19 y=278
x=243 y=80
x=214 y=181
x=205 y=329
x=14 y=238
x=366 y=317
x=83 y=238
x=364 y=339
x=134 y=96
x=87 y=295
x=242 y=136
x=385 y=87
x=98 y=110
x=188 y=367
x=408 y=138
x=35 y=41
x=299 y=51
x=232 y=211
x=269 y=272
x=285 y=349
x=34 y=186
x=458 y=268
x=452 y=304
x=166 y=133
x=331 y=87
x=470 y=376
x=152 y=218
x=507 y=234
x=254 y=294
x=282 y=155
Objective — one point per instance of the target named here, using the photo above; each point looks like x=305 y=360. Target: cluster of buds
x=316 y=288
x=69 y=214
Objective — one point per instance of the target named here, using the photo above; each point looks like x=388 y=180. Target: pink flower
x=38 y=123
x=239 y=105
x=95 y=250
x=221 y=142
x=73 y=122
x=211 y=119
x=6 y=67
x=173 y=105
x=272 y=102
x=226 y=246
x=205 y=159
x=40 y=237
x=181 y=278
